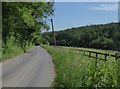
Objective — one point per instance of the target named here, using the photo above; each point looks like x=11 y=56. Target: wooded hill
x=102 y=36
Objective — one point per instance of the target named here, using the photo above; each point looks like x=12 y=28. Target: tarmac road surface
x=31 y=69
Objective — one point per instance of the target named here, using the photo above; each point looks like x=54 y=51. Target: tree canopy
x=23 y=21
x=103 y=36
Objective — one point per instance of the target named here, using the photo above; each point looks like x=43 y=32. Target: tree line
x=102 y=36
x=22 y=23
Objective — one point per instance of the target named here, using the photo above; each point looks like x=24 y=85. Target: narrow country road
x=31 y=69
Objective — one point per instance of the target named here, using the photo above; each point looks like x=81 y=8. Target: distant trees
x=94 y=36
x=22 y=22
x=102 y=43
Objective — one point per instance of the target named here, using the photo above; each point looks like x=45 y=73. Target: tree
x=22 y=21
x=103 y=36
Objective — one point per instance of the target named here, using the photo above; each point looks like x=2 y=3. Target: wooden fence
x=116 y=55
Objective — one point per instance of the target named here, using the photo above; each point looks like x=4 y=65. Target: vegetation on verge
x=13 y=51
x=73 y=69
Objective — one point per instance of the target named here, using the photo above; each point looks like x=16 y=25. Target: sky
x=76 y=14
x=85 y=0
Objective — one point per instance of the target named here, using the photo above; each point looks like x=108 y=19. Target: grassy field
x=73 y=69
x=91 y=49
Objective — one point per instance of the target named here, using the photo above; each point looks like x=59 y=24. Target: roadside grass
x=13 y=51
x=73 y=69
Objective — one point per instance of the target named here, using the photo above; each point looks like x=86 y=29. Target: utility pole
x=54 y=39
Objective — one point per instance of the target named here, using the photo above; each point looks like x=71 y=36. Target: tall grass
x=73 y=69
x=13 y=51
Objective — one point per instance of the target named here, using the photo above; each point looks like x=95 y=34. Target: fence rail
x=116 y=55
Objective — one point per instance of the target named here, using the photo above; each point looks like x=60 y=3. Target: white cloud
x=105 y=7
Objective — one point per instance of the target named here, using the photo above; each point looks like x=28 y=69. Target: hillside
x=102 y=36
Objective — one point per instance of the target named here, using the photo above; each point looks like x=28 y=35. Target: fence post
x=89 y=54
x=116 y=56
x=105 y=57
x=96 y=56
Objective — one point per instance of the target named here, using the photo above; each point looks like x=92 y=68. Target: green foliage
x=102 y=43
x=73 y=69
x=23 y=21
x=94 y=36
x=13 y=51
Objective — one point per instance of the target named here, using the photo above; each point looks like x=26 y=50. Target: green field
x=73 y=69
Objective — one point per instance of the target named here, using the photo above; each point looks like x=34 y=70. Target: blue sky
x=76 y=14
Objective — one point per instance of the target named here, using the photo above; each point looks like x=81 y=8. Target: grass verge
x=13 y=51
x=73 y=69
